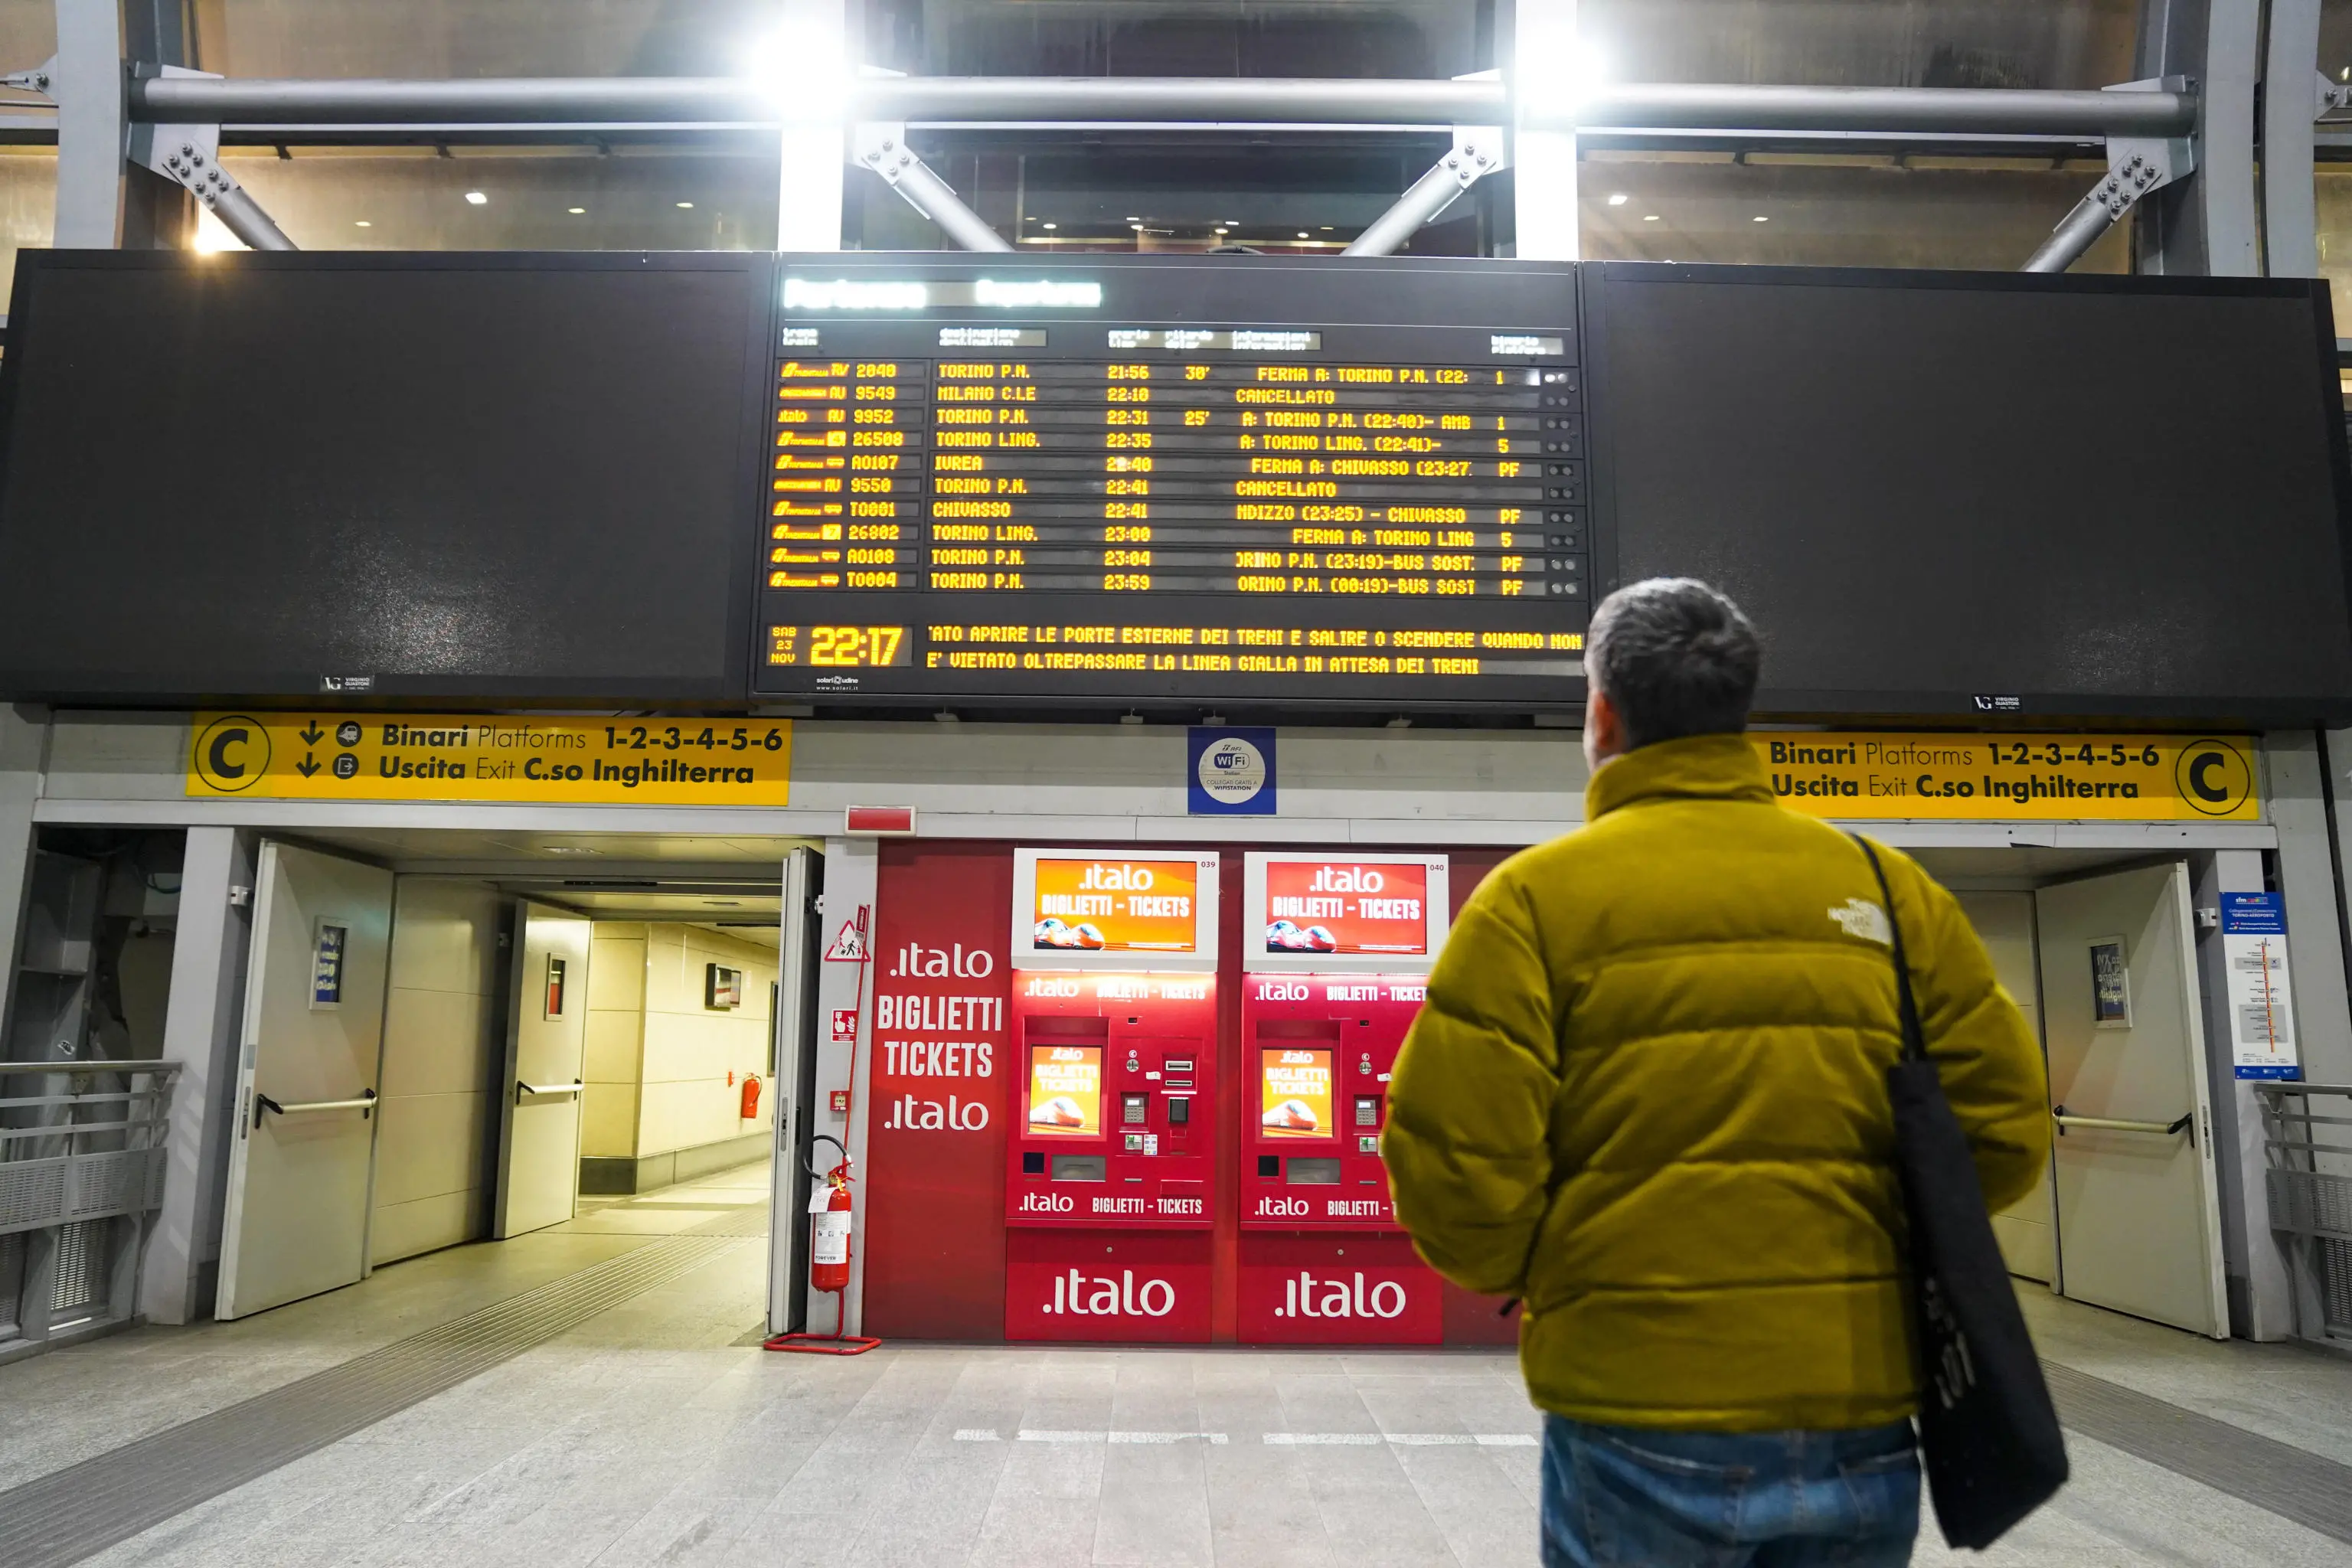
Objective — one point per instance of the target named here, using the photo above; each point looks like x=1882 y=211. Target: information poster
x=606 y=761
x=1295 y=1092
x=1093 y=905
x=1066 y=1091
x=1346 y=907
x=2254 y=946
x=1875 y=777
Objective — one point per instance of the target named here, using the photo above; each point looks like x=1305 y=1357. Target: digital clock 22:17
x=839 y=648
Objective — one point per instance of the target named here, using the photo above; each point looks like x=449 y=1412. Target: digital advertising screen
x=1090 y=476
x=1064 y=1098
x=1295 y=1092
x=1353 y=908
x=1089 y=905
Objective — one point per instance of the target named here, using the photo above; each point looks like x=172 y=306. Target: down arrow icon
x=306 y=767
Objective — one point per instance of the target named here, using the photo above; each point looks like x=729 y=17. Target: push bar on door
x=523 y=1088
x=364 y=1105
x=2058 y=1114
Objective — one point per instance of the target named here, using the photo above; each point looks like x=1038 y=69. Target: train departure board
x=1224 y=477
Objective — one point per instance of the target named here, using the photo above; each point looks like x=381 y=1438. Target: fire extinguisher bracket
x=830 y=1212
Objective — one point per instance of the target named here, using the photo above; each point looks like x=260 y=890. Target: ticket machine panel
x=1114 y=1123
x=1318 y=1050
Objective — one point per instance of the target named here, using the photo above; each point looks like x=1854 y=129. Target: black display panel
x=1092 y=478
x=482 y=476
x=1981 y=493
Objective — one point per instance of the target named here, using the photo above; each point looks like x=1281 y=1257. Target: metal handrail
x=521 y=1089
x=365 y=1104
x=2118 y=1124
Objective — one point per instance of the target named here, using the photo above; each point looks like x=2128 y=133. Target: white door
x=297 y=1214
x=2139 y=1221
x=794 y=1080
x=2027 y=1229
x=547 y=1041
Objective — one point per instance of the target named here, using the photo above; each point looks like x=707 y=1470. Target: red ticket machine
x=1110 y=1154
x=1335 y=970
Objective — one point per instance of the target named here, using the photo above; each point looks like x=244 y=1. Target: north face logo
x=1861 y=917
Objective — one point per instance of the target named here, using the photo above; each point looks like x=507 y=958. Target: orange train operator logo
x=1114 y=905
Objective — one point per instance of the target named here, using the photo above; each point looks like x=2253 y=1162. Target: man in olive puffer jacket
x=1647 y=1095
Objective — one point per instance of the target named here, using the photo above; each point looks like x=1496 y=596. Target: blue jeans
x=1627 y=1495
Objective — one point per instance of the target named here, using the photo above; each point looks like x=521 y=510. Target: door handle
x=523 y=1088
x=263 y=1105
x=2114 y=1124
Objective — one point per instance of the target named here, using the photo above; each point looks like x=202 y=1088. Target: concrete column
x=202 y=1018
x=2290 y=203
x=2206 y=225
x=851 y=868
x=1547 y=62
x=815 y=68
x=23 y=746
x=2262 y=1302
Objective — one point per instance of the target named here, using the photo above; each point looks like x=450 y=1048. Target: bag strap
x=1915 y=1039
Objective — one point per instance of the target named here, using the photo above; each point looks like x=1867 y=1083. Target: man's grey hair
x=1675 y=657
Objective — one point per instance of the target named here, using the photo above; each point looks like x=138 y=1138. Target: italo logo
x=1102 y=879
x=970 y=965
x=1066 y=1054
x=1045 y=1203
x=1283 y=991
x=1282 y=1208
x=1042 y=987
x=1100 y=1296
x=1345 y=879
x=909 y=1115
x=1307 y=1297
x=1298 y=1059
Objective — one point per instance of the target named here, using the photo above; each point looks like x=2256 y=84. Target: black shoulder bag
x=1992 y=1447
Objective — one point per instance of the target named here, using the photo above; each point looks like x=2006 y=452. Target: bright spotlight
x=804 y=68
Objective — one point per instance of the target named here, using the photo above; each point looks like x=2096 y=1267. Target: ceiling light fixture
x=477 y=198
x=1649 y=218
x=1617 y=198
x=364 y=224
x=1760 y=218
x=575 y=212
x=1302 y=234
x=682 y=205
x=1053 y=226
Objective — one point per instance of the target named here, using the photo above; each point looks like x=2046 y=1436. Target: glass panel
x=557 y=198
x=440 y=39
x=2333 y=186
x=1181 y=37
x=1308 y=196
x=29 y=203
x=1865 y=43
x=28 y=33
x=1806 y=210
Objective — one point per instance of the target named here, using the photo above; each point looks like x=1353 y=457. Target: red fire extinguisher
x=829 y=1228
x=750 y=1108
x=829 y=1236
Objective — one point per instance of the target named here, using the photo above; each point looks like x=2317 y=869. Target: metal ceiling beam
x=1212 y=102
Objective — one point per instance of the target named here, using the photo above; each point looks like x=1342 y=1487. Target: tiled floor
x=658 y=1432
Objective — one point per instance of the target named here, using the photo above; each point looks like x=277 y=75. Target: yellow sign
x=479 y=757
x=1854 y=774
